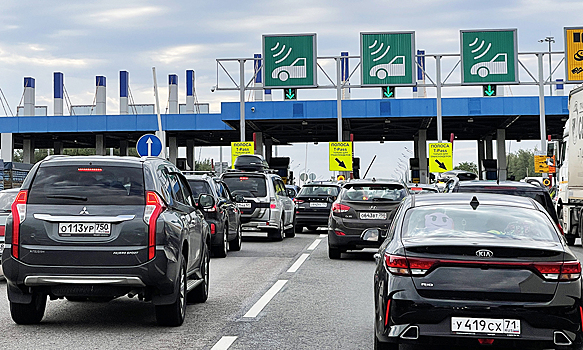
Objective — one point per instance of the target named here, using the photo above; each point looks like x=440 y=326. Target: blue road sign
x=149 y=145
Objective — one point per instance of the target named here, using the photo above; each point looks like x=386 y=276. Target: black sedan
x=313 y=204
x=476 y=269
x=362 y=204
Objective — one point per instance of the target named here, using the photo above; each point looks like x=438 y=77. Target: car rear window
x=246 y=185
x=87 y=185
x=308 y=191
x=199 y=187
x=6 y=199
x=374 y=192
x=489 y=222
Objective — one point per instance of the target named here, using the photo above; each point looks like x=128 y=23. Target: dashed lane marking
x=224 y=343
x=265 y=299
x=298 y=263
x=315 y=244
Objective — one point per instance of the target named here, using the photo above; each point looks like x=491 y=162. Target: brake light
x=488 y=341
x=570 y=271
x=400 y=265
x=339 y=233
x=2 y=230
x=18 y=216
x=416 y=189
x=154 y=206
x=561 y=229
x=387 y=315
x=340 y=208
x=581 y=314
x=567 y=271
x=272 y=206
x=243 y=178
x=298 y=201
x=213 y=229
x=90 y=170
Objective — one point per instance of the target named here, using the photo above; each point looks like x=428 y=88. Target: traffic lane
x=236 y=282
x=326 y=304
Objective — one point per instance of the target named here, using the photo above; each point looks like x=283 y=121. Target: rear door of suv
x=253 y=188
x=84 y=214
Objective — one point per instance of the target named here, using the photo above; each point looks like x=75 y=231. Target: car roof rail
x=199 y=172
x=53 y=156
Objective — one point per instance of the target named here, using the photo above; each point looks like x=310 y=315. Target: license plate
x=244 y=205
x=69 y=229
x=373 y=216
x=318 y=205
x=485 y=325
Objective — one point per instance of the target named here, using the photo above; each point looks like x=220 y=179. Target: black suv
x=224 y=218
x=515 y=188
x=97 y=228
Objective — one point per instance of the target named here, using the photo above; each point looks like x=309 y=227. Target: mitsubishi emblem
x=84 y=211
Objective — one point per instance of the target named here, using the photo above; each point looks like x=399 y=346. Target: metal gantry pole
x=550 y=69
x=541 y=103
x=438 y=82
x=339 y=96
x=242 y=98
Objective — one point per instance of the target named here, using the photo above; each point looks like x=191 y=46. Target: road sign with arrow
x=290 y=94
x=440 y=157
x=489 y=90
x=149 y=146
x=340 y=156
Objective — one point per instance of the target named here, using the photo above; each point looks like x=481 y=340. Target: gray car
x=97 y=228
x=6 y=199
x=264 y=203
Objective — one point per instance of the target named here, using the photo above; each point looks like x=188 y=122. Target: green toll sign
x=387 y=58
x=489 y=56
x=289 y=61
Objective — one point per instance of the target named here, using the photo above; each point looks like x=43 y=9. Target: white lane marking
x=315 y=244
x=298 y=263
x=323 y=235
x=265 y=299
x=224 y=343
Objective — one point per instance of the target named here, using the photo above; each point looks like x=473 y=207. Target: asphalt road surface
x=270 y=295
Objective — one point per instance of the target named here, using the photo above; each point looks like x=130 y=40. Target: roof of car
x=501 y=184
x=196 y=177
x=466 y=198
x=322 y=183
x=373 y=181
x=116 y=159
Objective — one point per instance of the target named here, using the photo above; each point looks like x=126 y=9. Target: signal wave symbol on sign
x=297 y=70
x=497 y=65
x=383 y=70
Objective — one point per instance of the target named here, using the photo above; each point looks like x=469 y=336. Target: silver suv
x=264 y=203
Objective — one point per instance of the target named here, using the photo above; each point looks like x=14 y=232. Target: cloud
x=120 y=15
x=37 y=57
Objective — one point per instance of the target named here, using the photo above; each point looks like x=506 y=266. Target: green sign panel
x=489 y=56
x=387 y=58
x=289 y=61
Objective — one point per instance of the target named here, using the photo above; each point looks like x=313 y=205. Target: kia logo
x=484 y=253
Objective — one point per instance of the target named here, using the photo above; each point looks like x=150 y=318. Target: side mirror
x=290 y=193
x=206 y=201
x=239 y=198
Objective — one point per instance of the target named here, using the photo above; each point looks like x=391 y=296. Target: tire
x=173 y=315
x=29 y=313
x=334 y=253
x=220 y=251
x=200 y=294
x=291 y=232
x=235 y=245
x=277 y=234
x=298 y=229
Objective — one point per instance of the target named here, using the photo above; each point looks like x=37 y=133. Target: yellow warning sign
x=440 y=157
x=540 y=164
x=239 y=148
x=340 y=156
x=574 y=54
x=546 y=182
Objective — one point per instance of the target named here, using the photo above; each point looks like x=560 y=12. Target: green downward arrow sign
x=388 y=94
x=490 y=92
x=290 y=94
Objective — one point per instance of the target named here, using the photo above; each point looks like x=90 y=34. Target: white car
x=390 y=69
x=494 y=66
x=296 y=70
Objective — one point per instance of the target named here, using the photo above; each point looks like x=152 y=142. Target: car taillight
x=570 y=271
x=387 y=315
x=340 y=233
x=2 y=230
x=402 y=266
x=561 y=229
x=18 y=216
x=154 y=206
x=298 y=201
x=567 y=271
x=272 y=206
x=213 y=229
x=340 y=208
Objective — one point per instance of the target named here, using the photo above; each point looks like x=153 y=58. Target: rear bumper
x=259 y=225
x=351 y=240
x=155 y=278
x=304 y=219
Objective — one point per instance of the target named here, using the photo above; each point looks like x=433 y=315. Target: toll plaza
x=487 y=58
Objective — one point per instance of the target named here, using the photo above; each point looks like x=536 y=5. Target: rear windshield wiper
x=67 y=196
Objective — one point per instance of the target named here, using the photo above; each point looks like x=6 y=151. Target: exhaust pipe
x=561 y=338
x=411 y=332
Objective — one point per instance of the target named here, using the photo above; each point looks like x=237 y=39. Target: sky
x=83 y=39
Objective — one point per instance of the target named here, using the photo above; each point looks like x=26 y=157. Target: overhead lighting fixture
x=387 y=121
x=304 y=122
x=471 y=120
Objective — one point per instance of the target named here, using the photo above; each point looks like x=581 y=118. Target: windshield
x=486 y=222
x=199 y=187
x=73 y=184
x=247 y=186
x=6 y=199
x=380 y=192
x=309 y=191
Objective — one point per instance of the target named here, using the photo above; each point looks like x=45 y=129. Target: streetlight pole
x=550 y=40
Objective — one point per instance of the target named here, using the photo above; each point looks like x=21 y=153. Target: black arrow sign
x=341 y=163
x=441 y=165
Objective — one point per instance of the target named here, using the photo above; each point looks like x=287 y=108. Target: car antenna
x=367 y=169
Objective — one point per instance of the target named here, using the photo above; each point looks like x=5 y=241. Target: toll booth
x=281 y=166
x=490 y=167
x=13 y=174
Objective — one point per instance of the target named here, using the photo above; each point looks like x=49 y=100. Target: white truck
x=570 y=172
